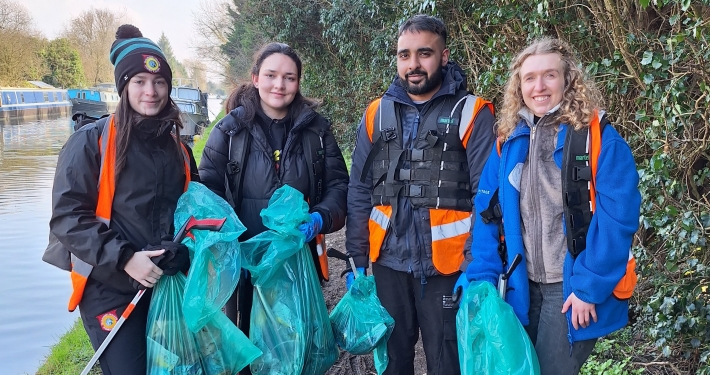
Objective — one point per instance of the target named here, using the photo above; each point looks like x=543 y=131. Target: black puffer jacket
x=144 y=203
x=261 y=178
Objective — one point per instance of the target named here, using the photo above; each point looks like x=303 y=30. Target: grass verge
x=70 y=354
x=199 y=144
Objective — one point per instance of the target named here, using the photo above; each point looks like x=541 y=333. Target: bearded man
x=419 y=153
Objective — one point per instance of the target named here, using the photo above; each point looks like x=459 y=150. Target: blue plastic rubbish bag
x=361 y=324
x=289 y=319
x=215 y=256
x=491 y=339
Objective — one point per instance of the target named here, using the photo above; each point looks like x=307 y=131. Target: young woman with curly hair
x=565 y=296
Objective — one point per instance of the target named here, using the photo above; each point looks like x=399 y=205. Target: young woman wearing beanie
x=277 y=125
x=115 y=192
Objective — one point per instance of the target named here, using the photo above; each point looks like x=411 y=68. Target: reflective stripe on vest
x=106 y=188
x=378 y=224
x=449 y=231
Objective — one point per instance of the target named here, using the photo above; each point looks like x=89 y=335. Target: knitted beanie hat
x=131 y=54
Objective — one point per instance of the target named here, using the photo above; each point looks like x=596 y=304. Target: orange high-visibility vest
x=449 y=228
x=106 y=187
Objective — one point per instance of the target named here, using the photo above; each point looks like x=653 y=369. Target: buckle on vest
x=583 y=173
x=415 y=191
x=405 y=174
x=233 y=167
x=417 y=154
x=389 y=134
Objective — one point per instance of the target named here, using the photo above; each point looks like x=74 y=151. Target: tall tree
x=176 y=66
x=197 y=72
x=19 y=45
x=63 y=64
x=212 y=22
x=92 y=33
x=244 y=37
x=14 y=16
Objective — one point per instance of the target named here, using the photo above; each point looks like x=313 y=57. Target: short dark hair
x=422 y=22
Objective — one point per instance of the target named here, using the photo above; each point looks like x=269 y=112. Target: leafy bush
x=650 y=58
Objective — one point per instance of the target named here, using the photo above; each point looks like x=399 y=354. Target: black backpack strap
x=494 y=213
x=239 y=143
x=576 y=180
x=381 y=134
x=314 y=153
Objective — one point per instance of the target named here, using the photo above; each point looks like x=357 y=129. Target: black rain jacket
x=261 y=178
x=144 y=203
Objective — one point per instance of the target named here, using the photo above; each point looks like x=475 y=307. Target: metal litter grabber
x=502 y=281
x=349 y=262
x=503 y=277
x=190 y=224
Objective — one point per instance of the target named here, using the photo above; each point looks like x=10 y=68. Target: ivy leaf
x=656 y=64
x=647 y=58
x=644 y=3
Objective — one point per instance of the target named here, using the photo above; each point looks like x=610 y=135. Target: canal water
x=33 y=294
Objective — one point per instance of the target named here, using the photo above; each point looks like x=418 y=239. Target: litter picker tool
x=190 y=224
x=502 y=281
x=350 y=264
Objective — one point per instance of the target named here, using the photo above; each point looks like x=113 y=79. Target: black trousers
x=238 y=308
x=99 y=308
x=416 y=306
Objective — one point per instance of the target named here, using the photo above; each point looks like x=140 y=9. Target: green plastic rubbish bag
x=218 y=348
x=491 y=339
x=289 y=318
x=215 y=256
x=361 y=324
x=171 y=346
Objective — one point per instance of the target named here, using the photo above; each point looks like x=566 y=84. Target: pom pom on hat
x=128 y=31
x=131 y=54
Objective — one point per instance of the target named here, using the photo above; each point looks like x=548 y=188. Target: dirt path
x=333 y=291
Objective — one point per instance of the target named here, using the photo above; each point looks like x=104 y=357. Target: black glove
x=176 y=257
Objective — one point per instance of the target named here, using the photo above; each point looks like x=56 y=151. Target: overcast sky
x=152 y=17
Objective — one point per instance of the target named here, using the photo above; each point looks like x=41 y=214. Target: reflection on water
x=33 y=312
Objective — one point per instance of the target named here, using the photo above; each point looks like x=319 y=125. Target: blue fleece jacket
x=594 y=274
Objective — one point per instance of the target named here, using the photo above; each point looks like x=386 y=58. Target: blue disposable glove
x=350 y=278
x=463 y=283
x=312 y=227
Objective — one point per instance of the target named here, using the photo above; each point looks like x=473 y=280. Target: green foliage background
x=650 y=58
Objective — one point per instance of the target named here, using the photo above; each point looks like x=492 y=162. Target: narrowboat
x=93 y=102
x=193 y=109
x=19 y=105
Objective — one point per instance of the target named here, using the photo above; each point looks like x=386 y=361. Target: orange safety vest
x=106 y=188
x=449 y=228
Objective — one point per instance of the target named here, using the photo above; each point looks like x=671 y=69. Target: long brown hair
x=579 y=100
x=247 y=96
x=126 y=118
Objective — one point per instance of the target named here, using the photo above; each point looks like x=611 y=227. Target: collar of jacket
x=526 y=114
x=453 y=80
x=156 y=126
x=262 y=118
